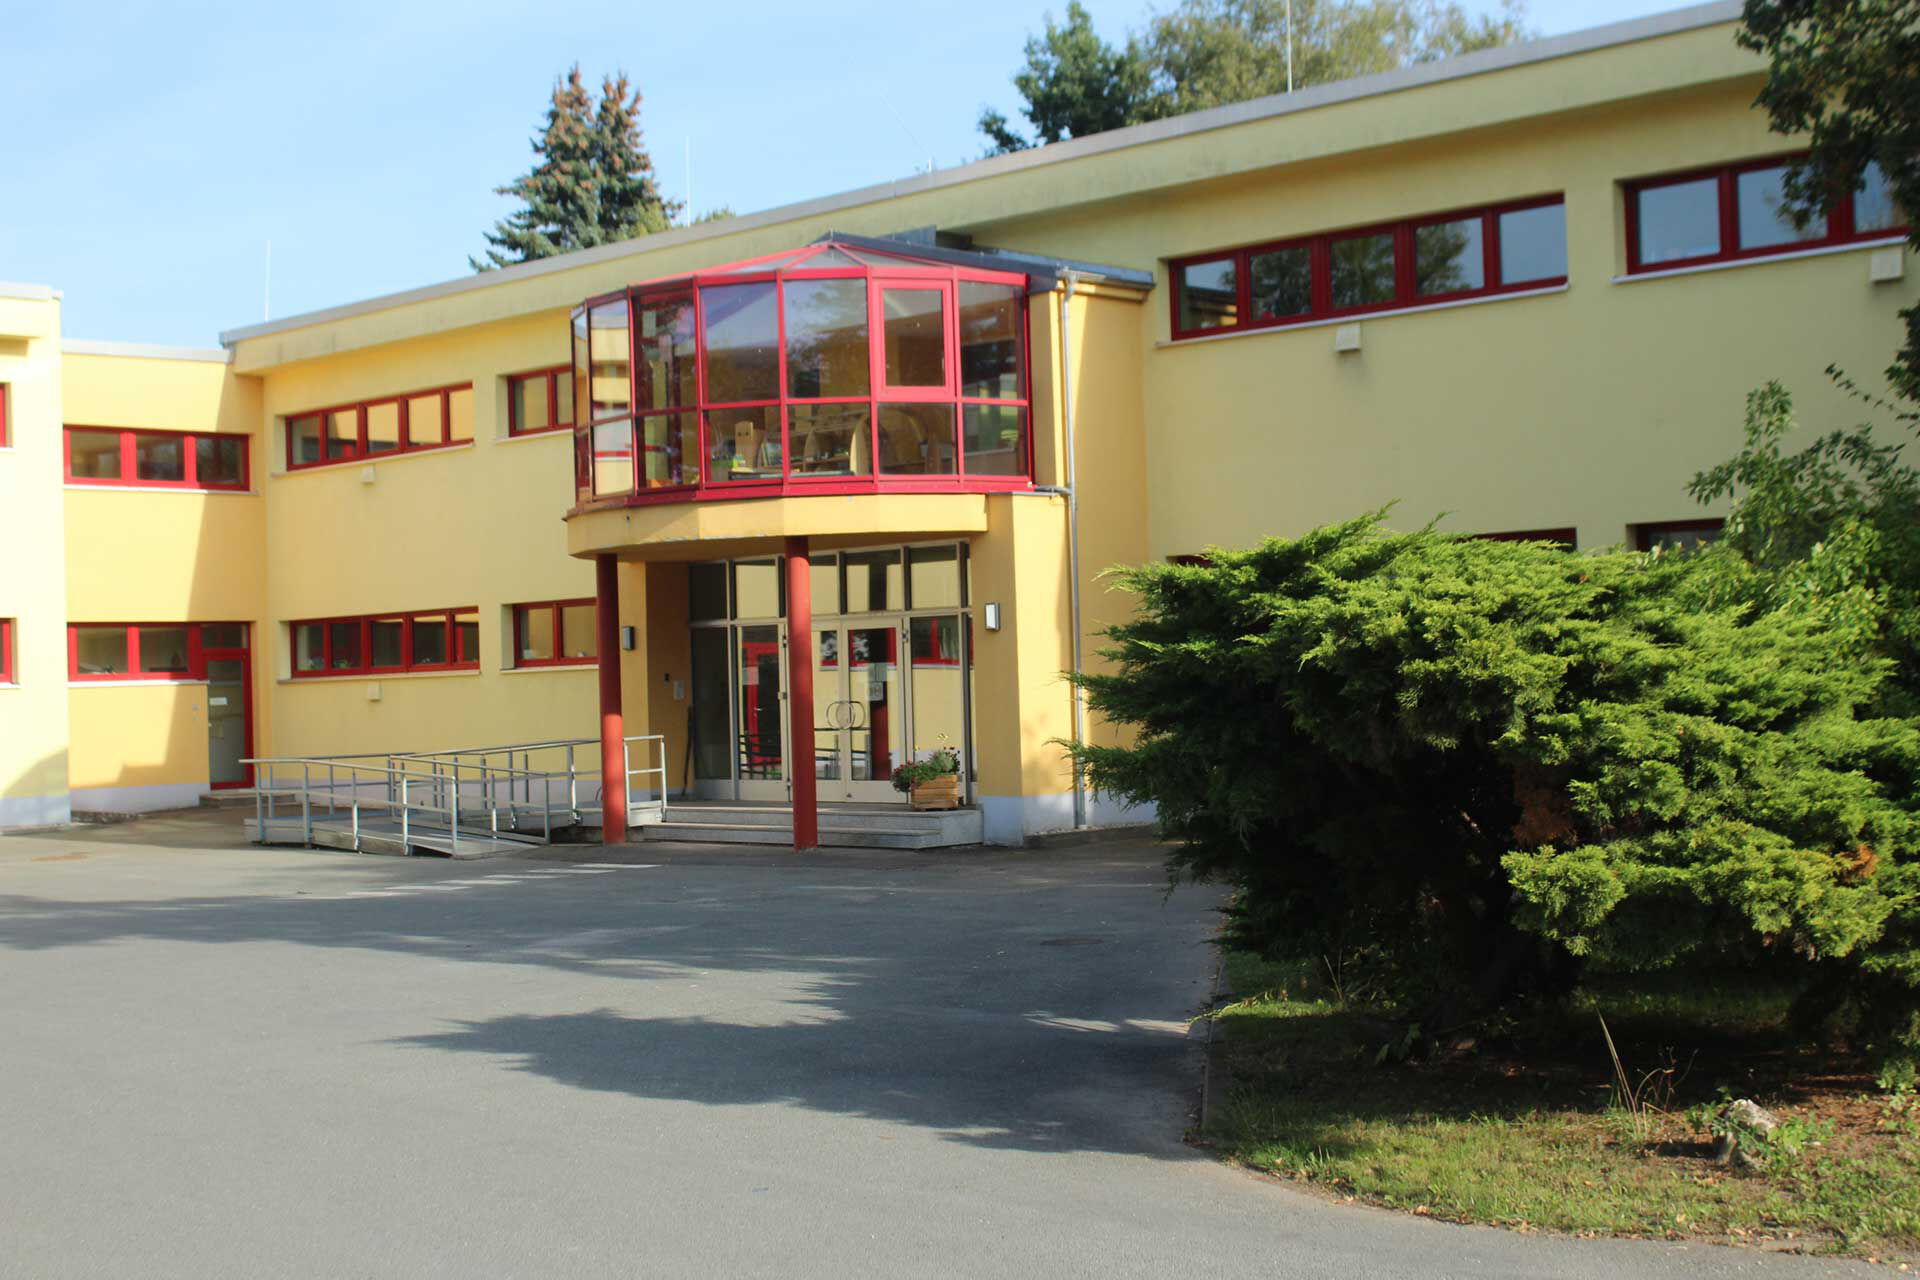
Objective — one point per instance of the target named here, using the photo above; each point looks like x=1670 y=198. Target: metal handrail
x=448 y=779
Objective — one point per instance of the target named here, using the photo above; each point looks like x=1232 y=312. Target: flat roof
x=144 y=351
x=1473 y=64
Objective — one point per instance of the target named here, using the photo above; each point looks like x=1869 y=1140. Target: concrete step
x=754 y=833
x=878 y=828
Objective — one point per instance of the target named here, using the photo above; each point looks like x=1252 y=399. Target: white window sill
x=585 y=664
x=1363 y=317
x=557 y=433
x=1795 y=255
x=372 y=460
x=136 y=684
x=374 y=677
x=161 y=488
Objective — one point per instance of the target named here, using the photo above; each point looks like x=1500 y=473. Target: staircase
x=868 y=826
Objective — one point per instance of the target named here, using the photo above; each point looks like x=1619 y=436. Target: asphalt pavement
x=219 y=1060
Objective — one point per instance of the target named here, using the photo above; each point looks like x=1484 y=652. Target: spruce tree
x=593 y=182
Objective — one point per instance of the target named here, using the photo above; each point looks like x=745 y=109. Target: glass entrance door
x=762 y=706
x=860 y=712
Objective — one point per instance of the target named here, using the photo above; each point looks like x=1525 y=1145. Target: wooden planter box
x=942 y=792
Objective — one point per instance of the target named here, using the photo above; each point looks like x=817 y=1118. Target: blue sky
x=167 y=143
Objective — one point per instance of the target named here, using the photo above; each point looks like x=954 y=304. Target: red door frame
x=245 y=659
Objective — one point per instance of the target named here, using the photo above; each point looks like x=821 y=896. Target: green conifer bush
x=1461 y=770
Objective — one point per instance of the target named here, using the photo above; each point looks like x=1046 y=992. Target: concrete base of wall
x=170 y=795
x=35 y=811
x=1013 y=820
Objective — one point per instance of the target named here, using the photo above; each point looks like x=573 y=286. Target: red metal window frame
x=6 y=390
x=458 y=659
x=877 y=278
x=1319 y=246
x=129 y=476
x=553 y=377
x=558 y=608
x=6 y=652
x=196 y=671
x=1645 y=533
x=359 y=452
x=1565 y=537
x=1840 y=227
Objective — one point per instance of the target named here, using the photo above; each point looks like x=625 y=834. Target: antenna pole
x=1289 y=46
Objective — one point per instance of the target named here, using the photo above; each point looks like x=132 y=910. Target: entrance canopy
x=841 y=367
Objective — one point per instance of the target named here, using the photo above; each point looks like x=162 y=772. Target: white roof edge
x=144 y=350
x=28 y=292
x=1545 y=49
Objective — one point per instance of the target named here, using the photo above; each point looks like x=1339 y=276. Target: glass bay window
x=834 y=368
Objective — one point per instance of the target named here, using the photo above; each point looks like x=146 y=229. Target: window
x=6 y=646
x=6 y=393
x=541 y=400
x=147 y=650
x=555 y=633
x=392 y=424
x=1739 y=211
x=1469 y=253
x=156 y=459
x=1677 y=535
x=387 y=643
x=1564 y=537
x=821 y=369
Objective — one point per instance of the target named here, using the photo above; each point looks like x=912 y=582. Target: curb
x=1213 y=1075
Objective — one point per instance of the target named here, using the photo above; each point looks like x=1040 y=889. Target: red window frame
x=1565 y=537
x=196 y=670
x=129 y=475
x=1840 y=226
x=877 y=277
x=458 y=659
x=558 y=608
x=6 y=391
x=553 y=376
x=1644 y=534
x=1319 y=247
x=6 y=650
x=358 y=451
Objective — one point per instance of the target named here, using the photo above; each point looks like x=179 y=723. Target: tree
x=1208 y=53
x=1847 y=74
x=592 y=184
x=1074 y=84
x=1833 y=530
x=1468 y=768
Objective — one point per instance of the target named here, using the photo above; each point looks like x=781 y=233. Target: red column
x=613 y=757
x=806 y=792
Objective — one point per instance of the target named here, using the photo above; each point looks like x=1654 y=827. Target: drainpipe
x=1073 y=547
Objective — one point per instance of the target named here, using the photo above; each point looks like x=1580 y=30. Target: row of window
x=550 y=633
x=155 y=459
x=148 y=650
x=407 y=423
x=1466 y=253
x=1663 y=535
x=1726 y=213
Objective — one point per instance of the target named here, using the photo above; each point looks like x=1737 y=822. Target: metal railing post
x=406 y=835
x=306 y=805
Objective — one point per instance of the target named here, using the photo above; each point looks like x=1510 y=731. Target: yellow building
x=871 y=452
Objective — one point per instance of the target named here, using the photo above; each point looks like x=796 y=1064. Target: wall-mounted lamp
x=990 y=615
x=626 y=639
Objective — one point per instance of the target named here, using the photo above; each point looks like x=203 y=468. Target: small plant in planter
x=933 y=783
